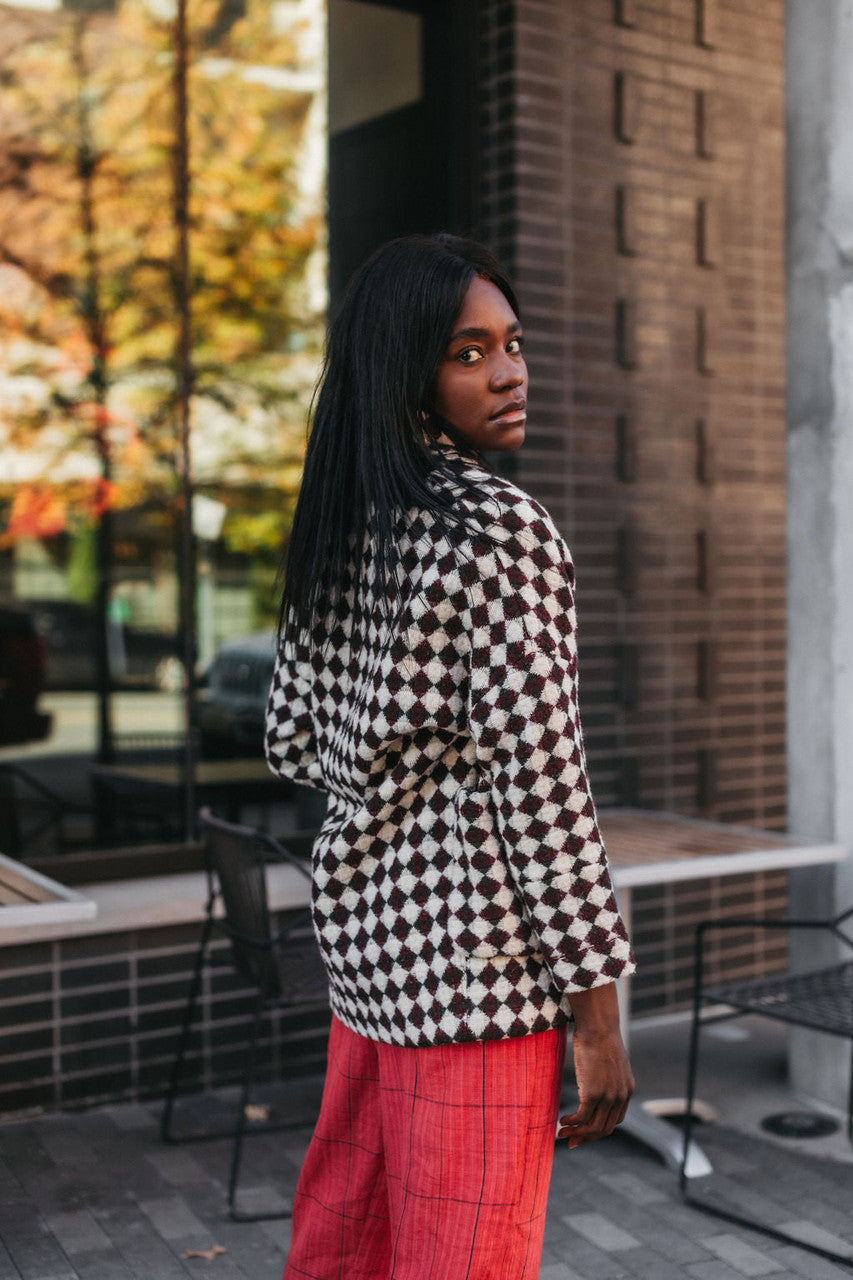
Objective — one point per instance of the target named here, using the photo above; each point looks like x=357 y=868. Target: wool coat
x=461 y=888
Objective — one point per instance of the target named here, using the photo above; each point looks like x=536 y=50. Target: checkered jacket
x=460 y=884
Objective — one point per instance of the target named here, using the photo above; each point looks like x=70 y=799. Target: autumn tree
x=86 y=99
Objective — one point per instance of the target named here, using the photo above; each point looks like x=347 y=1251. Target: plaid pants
x=429 y=1164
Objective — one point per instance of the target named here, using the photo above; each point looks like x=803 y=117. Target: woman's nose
x=510 y=372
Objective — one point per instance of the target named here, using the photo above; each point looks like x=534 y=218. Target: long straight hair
x=368 y=457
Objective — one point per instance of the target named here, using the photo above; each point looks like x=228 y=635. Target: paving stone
x=172 y=1219
x=651 y=1223
x=741 y=1198
x=716 y=1270
x=828 y=1210
x=252 y=1249
x=810 y=1265
x=557 y=1271
x=732 y=1163
x=177 y=1167
x=67 y=1147
x=278 y=1232
x=742 y=1256
x=261 y=1199
x=111 y=1152
x=811 y=1233
x=8 y=1270
x=10 y=1187
x=77 y=1232
x=107 y=1201
x=590 y=1262
x=293 y=1151
x=600 y=1231
x=633 y=1188
x=207 y=1201
x=22 y=1152
x=103 y=1268
x=648 y=1264
x=223 y=1266
x=32 y=1248
x=147 y=1256
x=133 y=1117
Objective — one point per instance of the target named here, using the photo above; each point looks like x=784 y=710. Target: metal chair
x=821 y=1000
x=34 y=816
x=236 y=858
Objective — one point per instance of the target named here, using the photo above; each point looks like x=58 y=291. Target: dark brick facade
x=633 y=179
x=96 y=1019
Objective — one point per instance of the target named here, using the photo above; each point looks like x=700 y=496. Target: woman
x=426 y=681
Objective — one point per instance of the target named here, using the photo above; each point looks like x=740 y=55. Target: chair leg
x=725 y=1215
x=692 y=1061
x=692 y=1072
x=248 y=1081
x=850 y=1098
x=166 y=1133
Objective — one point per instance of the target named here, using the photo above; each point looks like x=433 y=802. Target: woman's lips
x=511 y=413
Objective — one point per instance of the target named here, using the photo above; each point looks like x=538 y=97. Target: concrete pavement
x=96 y=1196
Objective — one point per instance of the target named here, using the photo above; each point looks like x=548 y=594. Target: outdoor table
x=27 y=898
x=647 y=847
x=225 y=783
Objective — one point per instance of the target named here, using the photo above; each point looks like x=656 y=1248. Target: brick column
x=632 y=177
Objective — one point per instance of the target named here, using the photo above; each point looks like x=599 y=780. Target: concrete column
x=819 y=77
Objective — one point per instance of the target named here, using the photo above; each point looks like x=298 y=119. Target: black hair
x=367 y=459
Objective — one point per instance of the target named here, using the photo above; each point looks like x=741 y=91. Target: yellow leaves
x=249 y=242
x=252 y=533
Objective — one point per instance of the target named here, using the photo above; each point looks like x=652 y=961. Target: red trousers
x=429 y=1164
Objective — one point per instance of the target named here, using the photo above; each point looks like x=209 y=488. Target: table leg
x=653 y=1132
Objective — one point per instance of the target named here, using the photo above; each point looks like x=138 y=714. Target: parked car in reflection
x=23 y=661
x=232 y=703
x=138 y=656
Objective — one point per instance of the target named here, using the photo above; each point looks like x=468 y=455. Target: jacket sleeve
x=523 y=716
x=289 y=739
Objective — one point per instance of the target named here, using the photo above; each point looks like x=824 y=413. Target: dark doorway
x=402 y=125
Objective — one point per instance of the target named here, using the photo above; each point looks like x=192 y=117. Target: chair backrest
x=235 y=856
x=10 y=823
x=843 y=926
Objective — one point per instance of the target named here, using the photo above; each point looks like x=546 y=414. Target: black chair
x=37 y=819
x=236 y=859
x=820 y=999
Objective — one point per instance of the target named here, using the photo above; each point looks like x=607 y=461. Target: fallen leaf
x=208 y=1254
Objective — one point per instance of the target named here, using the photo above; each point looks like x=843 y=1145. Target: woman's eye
x=469 y=356
x=515 y=344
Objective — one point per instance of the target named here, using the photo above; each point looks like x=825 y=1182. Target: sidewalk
x=95 y=1196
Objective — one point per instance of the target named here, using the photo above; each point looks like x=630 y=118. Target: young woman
x=427 y=682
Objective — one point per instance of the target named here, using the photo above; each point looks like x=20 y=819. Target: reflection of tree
x=250 y=241
x=93 y=310
x=95 y=328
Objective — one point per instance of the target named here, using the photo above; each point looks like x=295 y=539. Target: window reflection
x=88 y=485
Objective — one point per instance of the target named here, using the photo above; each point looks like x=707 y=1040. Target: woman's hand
x=603 y=1073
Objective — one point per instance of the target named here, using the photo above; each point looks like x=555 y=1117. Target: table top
x=216 y=773
x=27 y=897
x=646 y=847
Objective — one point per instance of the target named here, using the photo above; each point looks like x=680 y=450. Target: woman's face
x=481 y=385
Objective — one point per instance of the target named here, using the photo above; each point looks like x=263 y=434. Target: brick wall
x=96 y=1019
x=633 y=179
